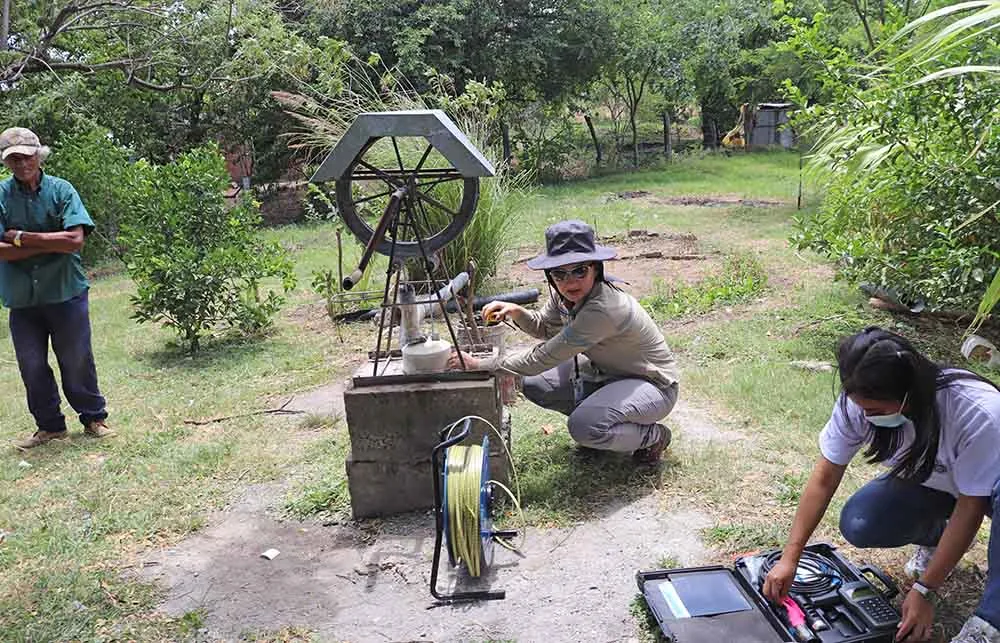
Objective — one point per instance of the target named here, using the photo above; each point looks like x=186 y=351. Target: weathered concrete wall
x=394 y=429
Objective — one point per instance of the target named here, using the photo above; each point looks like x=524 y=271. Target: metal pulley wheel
x=435 y=201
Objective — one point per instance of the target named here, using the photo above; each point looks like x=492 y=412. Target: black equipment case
x=719 y=604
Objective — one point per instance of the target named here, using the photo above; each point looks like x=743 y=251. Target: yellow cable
x=464 y=484
x=465 y=467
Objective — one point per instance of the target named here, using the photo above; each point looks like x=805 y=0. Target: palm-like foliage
x=908 y=146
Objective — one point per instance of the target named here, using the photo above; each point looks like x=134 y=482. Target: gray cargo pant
x=617 y=415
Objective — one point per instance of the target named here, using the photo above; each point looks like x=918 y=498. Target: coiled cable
x=815 y=573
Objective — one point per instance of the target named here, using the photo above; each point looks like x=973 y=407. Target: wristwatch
x=17 y=238
x=925 y=591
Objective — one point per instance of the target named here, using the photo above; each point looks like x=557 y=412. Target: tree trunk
x=706 y=129
x=508 y=154
x=593 y=137
x=5 y=26
x=667 y=147
x=635 y=136
x=713 y=130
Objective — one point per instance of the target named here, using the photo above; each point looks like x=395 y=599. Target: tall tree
x=645 y=45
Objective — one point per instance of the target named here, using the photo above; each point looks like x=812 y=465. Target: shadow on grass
x=563 y=483
x=223 y=353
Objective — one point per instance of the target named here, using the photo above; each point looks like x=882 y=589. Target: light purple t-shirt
x=968 y=457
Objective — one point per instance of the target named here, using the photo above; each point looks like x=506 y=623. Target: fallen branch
x=281 y=410
x=816 y=322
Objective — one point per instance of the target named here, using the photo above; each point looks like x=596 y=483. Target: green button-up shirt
x=49 y=278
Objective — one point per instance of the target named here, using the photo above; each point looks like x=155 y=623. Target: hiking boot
x=976 y=630
x=921 y=558
x=653 y=453
x=917 y=565
x=98 y=429
x=38 y=438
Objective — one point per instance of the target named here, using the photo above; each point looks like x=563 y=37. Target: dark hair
x=598 y=278
x=880 y=365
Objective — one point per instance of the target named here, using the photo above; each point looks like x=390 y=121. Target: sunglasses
x=575 y=273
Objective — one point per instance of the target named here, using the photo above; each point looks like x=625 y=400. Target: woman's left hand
x=918 y=619
x=471 y=363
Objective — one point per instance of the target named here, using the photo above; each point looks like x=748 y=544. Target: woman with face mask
x=937 y=429
x=602 y=360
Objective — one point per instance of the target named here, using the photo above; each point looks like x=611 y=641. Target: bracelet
x=17 y=238
x=925 y=591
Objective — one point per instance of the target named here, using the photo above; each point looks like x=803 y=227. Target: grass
x=79 y=515
x=741 y=277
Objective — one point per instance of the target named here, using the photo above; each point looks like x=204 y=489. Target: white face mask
x=892 y=420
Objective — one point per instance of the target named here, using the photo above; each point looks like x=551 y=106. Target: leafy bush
x=197 y=264
x=910 y=162
x=104 y=175
x=742 y=277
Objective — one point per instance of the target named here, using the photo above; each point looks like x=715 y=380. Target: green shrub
x=742 y=276
x=911 y=166
x=197 y=264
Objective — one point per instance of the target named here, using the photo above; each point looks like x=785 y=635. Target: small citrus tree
x=198 y=265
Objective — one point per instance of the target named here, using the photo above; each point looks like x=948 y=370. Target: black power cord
x=814 y=575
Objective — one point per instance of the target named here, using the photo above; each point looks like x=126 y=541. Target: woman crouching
x=603 y=361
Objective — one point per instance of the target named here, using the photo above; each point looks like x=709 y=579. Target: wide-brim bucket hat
x=569 y=242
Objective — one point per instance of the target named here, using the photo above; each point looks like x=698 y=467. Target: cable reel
x=463 y=508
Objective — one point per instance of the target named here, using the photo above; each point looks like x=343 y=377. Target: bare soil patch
x=701 y=201
x=644 y=258
x=369 y=581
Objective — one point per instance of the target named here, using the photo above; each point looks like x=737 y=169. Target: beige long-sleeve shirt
x=609 y=327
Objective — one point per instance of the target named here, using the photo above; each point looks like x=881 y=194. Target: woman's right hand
x=496 y=311
x=779 y=580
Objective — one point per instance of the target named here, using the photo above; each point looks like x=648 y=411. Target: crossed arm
x=37 y=243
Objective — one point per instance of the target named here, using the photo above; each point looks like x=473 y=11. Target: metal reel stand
x=444 y=531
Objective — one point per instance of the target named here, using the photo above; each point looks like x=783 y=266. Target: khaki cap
x=19 y=140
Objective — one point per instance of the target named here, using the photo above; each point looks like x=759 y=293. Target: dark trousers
x=67 y=325
x=888 y=512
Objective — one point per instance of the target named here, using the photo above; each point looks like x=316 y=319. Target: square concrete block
x=394 y=428
x=387 y=488
x=401 y=422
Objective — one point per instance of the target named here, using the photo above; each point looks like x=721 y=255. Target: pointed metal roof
x=432 y=124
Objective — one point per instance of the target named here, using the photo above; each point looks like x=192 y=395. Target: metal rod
x=426 y=197
x=371 y=172
x=340 y=260
x=374 y=196
x=378 y=234
x=376 y=173
x=385 y=294
x=437 y=182
x=392 y=323
x=429 y=269
x=399 y=158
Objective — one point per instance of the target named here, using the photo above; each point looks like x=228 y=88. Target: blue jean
x=67 y=325
x=888 y=512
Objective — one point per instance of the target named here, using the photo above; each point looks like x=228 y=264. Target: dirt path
x=348 y=584
x=368 y=581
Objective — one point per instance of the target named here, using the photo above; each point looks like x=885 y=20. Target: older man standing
x=42 y=282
